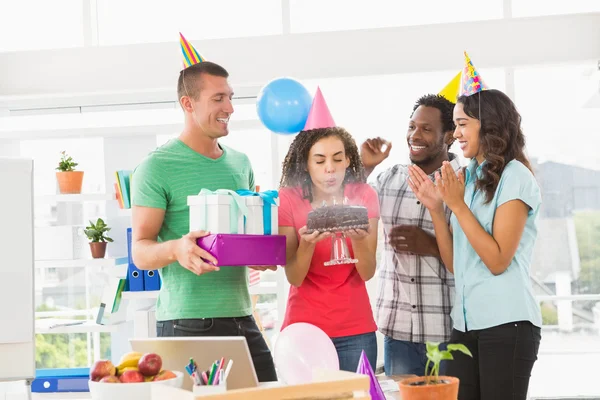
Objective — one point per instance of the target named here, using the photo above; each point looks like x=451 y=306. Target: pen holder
x=205 y=390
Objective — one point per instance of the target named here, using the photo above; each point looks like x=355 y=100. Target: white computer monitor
x=177 y=351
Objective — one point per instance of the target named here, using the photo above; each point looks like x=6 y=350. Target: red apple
x=150 y=364
x=132 y=376
x=100 y=369
x=164 y=375
x=110 y=379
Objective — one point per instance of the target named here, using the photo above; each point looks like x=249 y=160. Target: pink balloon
x=300 y=348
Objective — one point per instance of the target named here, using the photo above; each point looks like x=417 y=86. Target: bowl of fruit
x=132 y=378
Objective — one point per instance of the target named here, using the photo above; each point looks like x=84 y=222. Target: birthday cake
x=337 y=218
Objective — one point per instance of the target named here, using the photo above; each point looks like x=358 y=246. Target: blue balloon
x=283 y=105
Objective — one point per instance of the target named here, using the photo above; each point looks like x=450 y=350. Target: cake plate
x=339 y=251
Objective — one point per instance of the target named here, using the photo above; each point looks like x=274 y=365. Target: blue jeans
x=349 y=349
x=401 y=357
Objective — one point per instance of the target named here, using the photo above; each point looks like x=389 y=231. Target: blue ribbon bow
x=268 y=197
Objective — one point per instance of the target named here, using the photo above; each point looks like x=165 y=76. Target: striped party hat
x=190 y=55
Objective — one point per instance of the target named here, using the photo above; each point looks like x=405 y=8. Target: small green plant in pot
x=432 y=385
x=69 y=180
x=96 y=234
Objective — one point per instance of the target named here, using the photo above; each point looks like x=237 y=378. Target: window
x=559 y=130
x=158 y=21
x=68 y=295
x=40 y=24
x=65 y=294
x=548 y=121
x=335 y=15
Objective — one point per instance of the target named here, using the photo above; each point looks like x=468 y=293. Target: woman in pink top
x=323 y=166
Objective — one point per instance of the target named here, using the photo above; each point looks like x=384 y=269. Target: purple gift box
x=241 y=250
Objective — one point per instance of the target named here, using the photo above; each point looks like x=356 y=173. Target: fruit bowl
x=130 y=391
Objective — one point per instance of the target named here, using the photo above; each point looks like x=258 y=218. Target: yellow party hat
x=450 y=91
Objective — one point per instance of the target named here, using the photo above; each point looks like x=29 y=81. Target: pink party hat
x=319 y=115
x=364 y=368
x=471 y=80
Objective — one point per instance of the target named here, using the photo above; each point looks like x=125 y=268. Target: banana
x=148 y=378
x=128 y=360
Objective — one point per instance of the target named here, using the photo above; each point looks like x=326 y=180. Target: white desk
x=16 y=391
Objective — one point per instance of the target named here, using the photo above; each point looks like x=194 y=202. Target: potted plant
x=95 y=232
x=433 y=386
x=69 y=180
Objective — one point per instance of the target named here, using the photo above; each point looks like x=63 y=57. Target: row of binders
x=139 y=280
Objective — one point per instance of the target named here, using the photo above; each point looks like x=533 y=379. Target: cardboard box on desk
x=262 y=216
x=220 y=211
x=242 y=250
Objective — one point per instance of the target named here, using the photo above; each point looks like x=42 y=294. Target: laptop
x=177 y=351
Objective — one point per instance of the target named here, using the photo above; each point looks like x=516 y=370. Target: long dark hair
x=500 y=135
x=295 y=172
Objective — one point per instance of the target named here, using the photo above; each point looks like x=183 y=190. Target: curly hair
x=295 y=167
x=500 y=135
x=446 y=108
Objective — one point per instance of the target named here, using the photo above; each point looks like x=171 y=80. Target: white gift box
x=67 y=242
x=216 y=213
x=254 y=221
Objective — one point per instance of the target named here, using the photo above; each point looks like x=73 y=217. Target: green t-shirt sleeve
x=147 y=188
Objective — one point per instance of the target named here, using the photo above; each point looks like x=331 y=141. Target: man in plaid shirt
x=415 y=290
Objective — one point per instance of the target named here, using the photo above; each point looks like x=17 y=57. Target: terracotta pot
x=98 y=249
x=69 y=182
x=416 y=389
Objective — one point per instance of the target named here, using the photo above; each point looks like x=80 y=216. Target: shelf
x=84 y=262
x=119 y=271
x=124 y=212
x=75 y=198
x=45 y=327
x=147 y=294
x=261 y=288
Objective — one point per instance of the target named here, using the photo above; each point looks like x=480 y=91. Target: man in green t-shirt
x=196 y=298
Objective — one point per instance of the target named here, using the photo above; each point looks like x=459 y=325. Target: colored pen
x=220 y=365
x=213 y=371
x=228 y=368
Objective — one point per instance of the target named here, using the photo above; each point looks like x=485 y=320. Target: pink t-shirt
x=332 y=298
